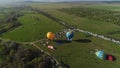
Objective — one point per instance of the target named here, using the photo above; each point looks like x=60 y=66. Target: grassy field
x=80 y=54
x=112 y=7
x=34 y=27
x=86 y=24
x=54 y=5
x=81 y=22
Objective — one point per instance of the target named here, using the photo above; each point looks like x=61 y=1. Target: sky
x=53 y=0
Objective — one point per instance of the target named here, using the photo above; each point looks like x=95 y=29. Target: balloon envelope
x=100 y=54
x=111 y=57
x=50 y=35
x=69 y=35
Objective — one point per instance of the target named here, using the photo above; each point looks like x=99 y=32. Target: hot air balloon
x=50 y=35
x=110 y=57
x=100 y=54
x=69 y=35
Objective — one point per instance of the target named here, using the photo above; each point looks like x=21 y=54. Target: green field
x=86 y=24
x=80 y=53
x=82 y=22
x=34 y=27
x=54 y=5
x=112 y=7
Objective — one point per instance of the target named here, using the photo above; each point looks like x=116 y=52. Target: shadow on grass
x=65 y=65
x=83 y=40
x=62 y=41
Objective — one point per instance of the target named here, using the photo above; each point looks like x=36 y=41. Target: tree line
x=10 y=20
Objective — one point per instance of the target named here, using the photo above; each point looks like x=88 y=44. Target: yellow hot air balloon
x=50 y=35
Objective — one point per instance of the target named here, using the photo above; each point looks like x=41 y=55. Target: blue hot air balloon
x=69 y=35
x=100 y=54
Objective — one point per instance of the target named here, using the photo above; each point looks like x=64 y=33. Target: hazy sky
x=53 y=0
x=72 y=0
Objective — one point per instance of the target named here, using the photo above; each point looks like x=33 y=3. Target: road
x=52 y=57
